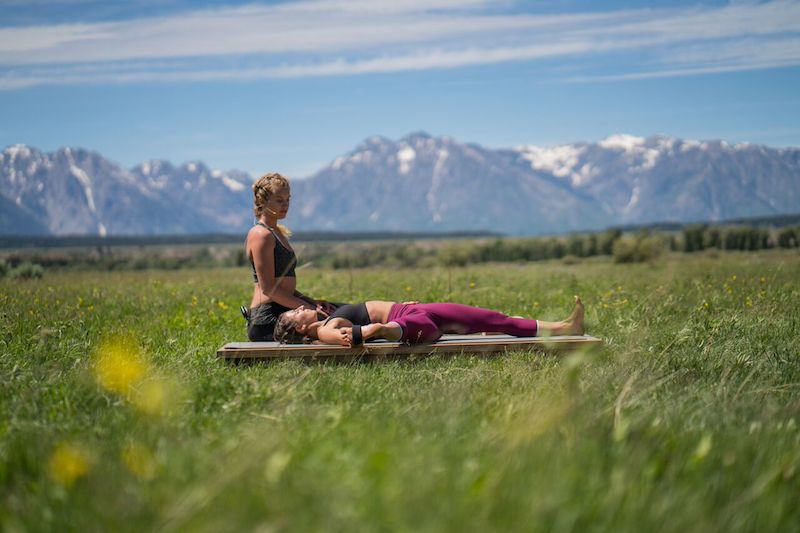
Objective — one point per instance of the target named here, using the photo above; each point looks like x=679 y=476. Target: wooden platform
x=449 y=344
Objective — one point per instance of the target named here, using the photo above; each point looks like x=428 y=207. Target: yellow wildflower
x=154 y=397
x=119 y=365
x=67 y=464
x=139 y=461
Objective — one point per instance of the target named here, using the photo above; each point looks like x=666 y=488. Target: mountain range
x=417 y=183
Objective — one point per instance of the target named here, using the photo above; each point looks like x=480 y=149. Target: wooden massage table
x=382 y=349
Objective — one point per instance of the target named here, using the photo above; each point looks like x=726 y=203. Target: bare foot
x=573 y=325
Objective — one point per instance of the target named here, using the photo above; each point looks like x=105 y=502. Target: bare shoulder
x=260 y=236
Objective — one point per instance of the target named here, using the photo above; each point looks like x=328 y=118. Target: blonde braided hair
x=263 y=188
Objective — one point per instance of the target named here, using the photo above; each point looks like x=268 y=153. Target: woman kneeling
x=413 y=323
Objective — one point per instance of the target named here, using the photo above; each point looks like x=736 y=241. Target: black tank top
x=355 y=313
x=285 y=260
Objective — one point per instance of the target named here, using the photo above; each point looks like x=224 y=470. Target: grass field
x=115 y=413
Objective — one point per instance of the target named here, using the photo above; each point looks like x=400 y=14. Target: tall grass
x=116 y=414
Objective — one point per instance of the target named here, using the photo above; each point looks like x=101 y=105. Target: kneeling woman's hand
x=325 y=307
x=323 y=310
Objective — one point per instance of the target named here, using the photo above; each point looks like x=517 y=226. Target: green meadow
x=115 y=413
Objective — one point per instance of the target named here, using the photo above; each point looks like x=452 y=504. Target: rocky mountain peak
x=416 y=183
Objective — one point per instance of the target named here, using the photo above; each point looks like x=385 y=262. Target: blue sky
x=289 y=86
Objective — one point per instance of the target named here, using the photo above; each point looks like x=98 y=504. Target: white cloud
x=341 y=37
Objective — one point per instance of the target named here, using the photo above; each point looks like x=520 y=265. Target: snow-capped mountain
x=421 y=183
x=638 y=180
x=74 y=191
x=417 y=183
x=424 y=183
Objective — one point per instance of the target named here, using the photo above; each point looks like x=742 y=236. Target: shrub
x=787 y=238
x=27 y=271
x=605 y=242
x=3 y=268
x=650 y=248
x=637 y=250
x=693 y=238
x=454 y=255
x=624 y=250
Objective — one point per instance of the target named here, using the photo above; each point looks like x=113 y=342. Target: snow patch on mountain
x=406 y=156
x=688 y=144
x=621 y=141
x=86 y=182
x=17 y=150
x=232 y=184
x=436 y=180
x=634 y=199
x=560 y=161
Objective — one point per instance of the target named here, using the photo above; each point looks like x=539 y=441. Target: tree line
x=623 y=247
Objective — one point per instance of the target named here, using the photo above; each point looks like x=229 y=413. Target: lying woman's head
x=292 y=326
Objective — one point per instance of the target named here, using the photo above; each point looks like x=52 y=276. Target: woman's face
x=278 y=203
x=303 y=317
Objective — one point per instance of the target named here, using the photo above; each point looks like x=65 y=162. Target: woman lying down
x=412 y=323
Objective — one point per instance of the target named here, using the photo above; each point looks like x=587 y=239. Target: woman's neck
x=313 y=329
x=270 y=222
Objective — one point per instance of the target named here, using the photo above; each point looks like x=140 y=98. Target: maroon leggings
x=423 y=323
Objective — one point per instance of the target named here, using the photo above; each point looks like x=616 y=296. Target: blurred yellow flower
x=222 y=305
x=154 y=397
x=139 y=461
x=471 y=284
x=67 y=464
x=119 y=365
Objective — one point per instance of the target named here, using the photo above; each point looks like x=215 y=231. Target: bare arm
x=391 y=331
x=262 y=248
x=335 y=332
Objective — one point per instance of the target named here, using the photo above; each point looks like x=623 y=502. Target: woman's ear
x=301 y=328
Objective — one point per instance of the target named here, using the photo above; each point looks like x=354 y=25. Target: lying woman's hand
x=347 y=336
x=367 y=332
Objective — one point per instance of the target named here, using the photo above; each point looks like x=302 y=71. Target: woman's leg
x=463 y=319
x=427 y=322
x=422 y=323
x=417 y=326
